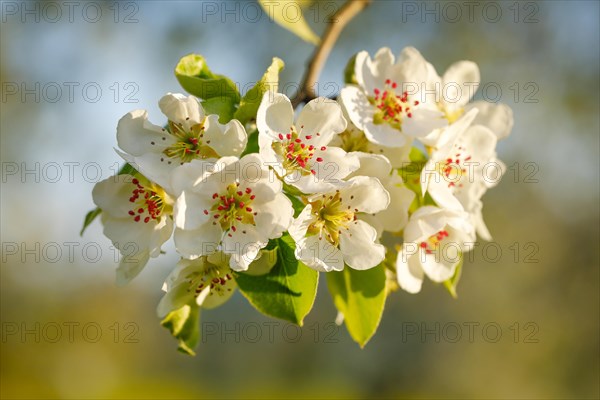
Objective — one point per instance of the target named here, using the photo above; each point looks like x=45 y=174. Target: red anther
x=137 y=218
x=409 y=115
x=214 y=196
x=302 y=145
x=311 y=147
x=288 y=136
x=377 y=91
x=131 y=213
x=194 y=141
x=280 y=136
x=248 y=209
x=308 y=137
x=132 y=199
x=220 y=208
x=217 y=216
x=233 y=228
x=416 y=102
x=206 y=212
x=252 y=197
x=146 y=220
x=394 y=85
x=241 y=204
x=140 y=210
x=323 y=148
x=387 y=81
x=135 y=181
x=423 y=245
x=298 y=141
x=248 y=190
x=240 y=193
x=312 y=171
x=319 y=159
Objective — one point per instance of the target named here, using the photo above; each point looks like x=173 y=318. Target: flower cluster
x=261 y=191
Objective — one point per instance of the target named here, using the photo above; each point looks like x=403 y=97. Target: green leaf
x=196 y=78
x=360 y=297
x=184 y=325
x=251 y=100
x=289 y=15
x=288 y=291
x=89 y=218
x=224 y=107
x=452 y=283
x=349 y=74
x=252 y=145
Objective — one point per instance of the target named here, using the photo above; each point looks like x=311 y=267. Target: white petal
x=409 y=272
x=274 y=217
x=423 y=122
x=497 y=117
x=299 y=225
x=359 y=248
x=174 y=299
x=322 y=116
x=244 y=246
x=371 y=73
x=275 y=115
x=356 y=104
x=365 y=194
x=135 y=134
x=411 y=67
x=461 y=81
x=395 y=217
x=227 y=140
x=112 y=195
x=198 y=242
x=181 y=109
x=438 y=267
x=374 y=165
x=131 y=266
x=188 y=211
x=385 y=135
x=319 y=254
x=336 y=164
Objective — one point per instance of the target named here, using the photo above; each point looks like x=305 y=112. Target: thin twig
x=349 y=10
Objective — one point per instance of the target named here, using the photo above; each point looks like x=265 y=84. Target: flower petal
x=365 y=194
x=358 y=246
x=321 y=118
x=409 y=272
x=497 y=117
x=136 y=135
x=181 y=109
x=275 y=115
x=227 y=140
x=460 y=81
x=198 y=242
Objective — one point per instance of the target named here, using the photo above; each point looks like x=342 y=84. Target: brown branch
x=339 y=20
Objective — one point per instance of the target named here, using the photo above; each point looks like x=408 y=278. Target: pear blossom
x=458 y=173
x=434 y=240
x=328 y=232
x=355 y=140
x=395 y=216
x=136 y=215
x=387 y=103
x=232 y=205
x=300 y=152
x=190 y=134
x=453 y=93
x=207 y=280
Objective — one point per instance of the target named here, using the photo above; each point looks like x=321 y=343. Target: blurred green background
x=525 y=325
